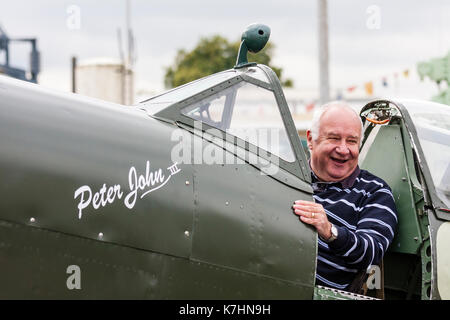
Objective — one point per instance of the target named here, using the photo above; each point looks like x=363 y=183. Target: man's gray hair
x=315 y=124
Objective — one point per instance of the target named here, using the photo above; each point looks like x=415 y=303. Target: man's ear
x=309 y=139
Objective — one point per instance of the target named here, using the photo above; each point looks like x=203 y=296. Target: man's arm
x=374 y=232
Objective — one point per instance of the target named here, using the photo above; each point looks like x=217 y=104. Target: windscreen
x=160 y=102
x=248 y=112
x=432 y=122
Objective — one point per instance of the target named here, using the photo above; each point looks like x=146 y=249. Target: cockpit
x=245 y=106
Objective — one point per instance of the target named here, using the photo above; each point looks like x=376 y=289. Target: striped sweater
x=363 y=210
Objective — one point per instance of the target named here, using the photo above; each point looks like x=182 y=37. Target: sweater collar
x=345 y=183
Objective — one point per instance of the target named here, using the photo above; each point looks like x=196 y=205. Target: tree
x=212 y=55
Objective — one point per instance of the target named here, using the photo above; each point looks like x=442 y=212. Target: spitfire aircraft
x=188 y=195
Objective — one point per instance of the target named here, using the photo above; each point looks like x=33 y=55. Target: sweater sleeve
x=374 y=233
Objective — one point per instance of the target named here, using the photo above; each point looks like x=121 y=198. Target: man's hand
x=313 y=213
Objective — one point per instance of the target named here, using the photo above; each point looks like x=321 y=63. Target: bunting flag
x=310 y=107
x=369 y=88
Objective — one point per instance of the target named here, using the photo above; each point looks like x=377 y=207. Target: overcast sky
x=364 y=45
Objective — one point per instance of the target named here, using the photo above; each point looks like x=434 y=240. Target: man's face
x=334 y=155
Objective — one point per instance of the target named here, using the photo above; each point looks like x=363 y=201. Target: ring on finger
x=312 y=215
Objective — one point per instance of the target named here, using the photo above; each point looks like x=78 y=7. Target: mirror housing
x=253 y=39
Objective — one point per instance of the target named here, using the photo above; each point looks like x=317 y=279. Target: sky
x=368 y=40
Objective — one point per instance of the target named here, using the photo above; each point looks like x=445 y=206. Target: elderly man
x=354 y=211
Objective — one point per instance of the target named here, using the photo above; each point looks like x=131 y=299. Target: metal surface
x=202 y=232
x=417 y=203
x=443 y=260
x=324 y=293
x=240 y=229
x=55 y=145
x=389 y=143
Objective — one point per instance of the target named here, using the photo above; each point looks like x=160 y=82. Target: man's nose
x=343 y=148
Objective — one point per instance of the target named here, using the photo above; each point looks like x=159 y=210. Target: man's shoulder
x=372 y=181
x=381 y=195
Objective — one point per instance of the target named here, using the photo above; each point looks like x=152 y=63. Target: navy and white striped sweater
x=363 y=210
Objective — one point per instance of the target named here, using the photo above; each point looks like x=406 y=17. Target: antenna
x=119 y=41
x=131 y=59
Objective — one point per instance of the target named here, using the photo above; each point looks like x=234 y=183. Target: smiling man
x=354 y=211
